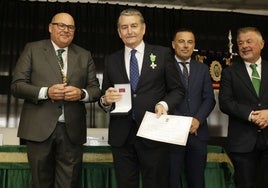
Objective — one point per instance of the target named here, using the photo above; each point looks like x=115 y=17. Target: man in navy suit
x=247 y=139
x=159 y=90
x=199 y=101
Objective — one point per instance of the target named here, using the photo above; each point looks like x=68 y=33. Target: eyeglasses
x=62 y=26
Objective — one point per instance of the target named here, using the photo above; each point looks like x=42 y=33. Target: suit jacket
x=155 y=85
x=199 y=98
x=37 y=67
x=237 y=98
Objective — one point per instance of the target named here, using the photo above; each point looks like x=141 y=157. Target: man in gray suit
x=55 y=85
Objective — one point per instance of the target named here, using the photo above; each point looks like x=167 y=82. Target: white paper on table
x=167 y=128
x=124 y=105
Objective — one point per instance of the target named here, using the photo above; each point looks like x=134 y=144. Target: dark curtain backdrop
x=25 y=21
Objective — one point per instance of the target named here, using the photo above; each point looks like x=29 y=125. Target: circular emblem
x=215 y=71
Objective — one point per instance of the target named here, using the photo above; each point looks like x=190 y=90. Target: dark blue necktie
x=185 y=73
x=134 y=76
x=134 y=70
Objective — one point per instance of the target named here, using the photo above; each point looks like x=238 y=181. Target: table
x=98 y=170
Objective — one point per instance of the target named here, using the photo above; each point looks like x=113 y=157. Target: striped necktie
x=255 y=78
x=59 y=55
x=185 y=73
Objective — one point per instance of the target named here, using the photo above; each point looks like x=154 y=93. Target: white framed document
x=124 y=105
x=167 y=128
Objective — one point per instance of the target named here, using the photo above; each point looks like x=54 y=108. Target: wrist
x=103 y=101
x=47 y=94
x=83 y=94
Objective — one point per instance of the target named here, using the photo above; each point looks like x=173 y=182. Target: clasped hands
x=64 y=92
x=112 y=95
x=260 y=118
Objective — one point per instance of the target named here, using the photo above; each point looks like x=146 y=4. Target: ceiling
x=258 y=7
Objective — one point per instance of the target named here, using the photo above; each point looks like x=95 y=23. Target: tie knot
x=133 y=52
x=60 y=51
x=253 y=66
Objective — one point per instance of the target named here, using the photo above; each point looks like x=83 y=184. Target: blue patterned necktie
x=134 y=70
x=185 y=73
x=255 y=78
x=59 y=55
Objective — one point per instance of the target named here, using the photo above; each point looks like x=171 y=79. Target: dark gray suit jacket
x=37 y=67
x=237 y=98
x=155 y=85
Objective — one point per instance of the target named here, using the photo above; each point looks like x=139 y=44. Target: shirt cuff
x=86 y=97
x=106 y=108
x=43 y=93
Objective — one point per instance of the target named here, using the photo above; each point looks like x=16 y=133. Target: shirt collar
x=56 y=47
x=258 y=62
x=179 y=60
x=140 y=48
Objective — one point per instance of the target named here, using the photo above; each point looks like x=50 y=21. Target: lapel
x=71 y=59
x=120 y=65
x=242 y=73
x=193 y=74
x=146 y=61
x=264 y=78
x=51 y=59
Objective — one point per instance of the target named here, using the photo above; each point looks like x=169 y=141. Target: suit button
x=134 y=95
x=259 y=104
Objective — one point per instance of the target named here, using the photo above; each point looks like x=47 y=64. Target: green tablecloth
x=98 y=171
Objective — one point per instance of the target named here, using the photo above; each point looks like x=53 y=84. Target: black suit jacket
x=199 y=99
x=237 y=98
x=155 y=85
x=37 y=67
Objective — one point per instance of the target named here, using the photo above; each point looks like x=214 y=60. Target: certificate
x=167 y=128
x=124 y=105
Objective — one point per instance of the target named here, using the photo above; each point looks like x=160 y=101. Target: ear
x=50 y=28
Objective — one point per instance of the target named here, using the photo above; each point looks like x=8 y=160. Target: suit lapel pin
x=152 y=59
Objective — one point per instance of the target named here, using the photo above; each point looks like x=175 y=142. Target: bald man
x=55 y=78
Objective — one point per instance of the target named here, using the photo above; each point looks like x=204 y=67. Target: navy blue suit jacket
x=199 y=98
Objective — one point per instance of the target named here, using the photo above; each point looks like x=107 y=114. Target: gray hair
x=249 y=29
x=131 y=12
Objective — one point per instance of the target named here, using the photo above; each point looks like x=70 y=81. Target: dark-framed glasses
x=62 y=26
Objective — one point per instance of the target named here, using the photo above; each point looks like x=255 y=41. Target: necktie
x=59 y=55
x=255 y=78
x=185 y=73
x=134 y=70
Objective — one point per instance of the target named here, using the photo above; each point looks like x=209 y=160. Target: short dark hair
x=183 y=29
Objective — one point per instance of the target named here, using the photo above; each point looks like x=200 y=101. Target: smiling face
x=131 y=30
x=250 y=44
x=183 y=44
x=61 y=36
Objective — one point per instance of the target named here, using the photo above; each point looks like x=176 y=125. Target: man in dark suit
x=159 y=90
x=246 y=104
x=53 y=117
x=199 y=101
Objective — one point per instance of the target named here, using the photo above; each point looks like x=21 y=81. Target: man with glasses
x=55 y=78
